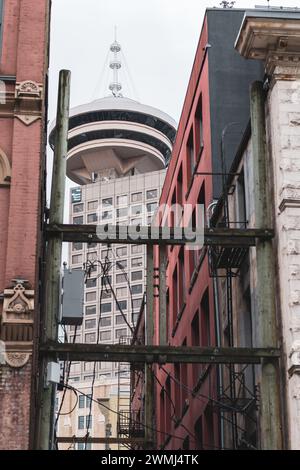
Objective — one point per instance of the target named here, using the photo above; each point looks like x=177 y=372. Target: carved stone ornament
x=5 y=170
x=18 y=305
x=17 y=360
x=28 y=89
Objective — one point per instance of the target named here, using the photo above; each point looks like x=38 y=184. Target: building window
x=136 y=197
x=120 y=333
x=93 y=205
x=205 y=321
x=78 y=220
x=136 y=222
x=91 y=245
x=90 y=324
x=181 y=279
x=199 y=434
x=191 y=154
x=199 y=124
x=152 y=193
x=81 y=401
x=75 y=192
x=136 y=262
x=137 y=289
x=195 y=330
x=77 y=259
x=106 y=254
x=105 y=321
x=90 y=296
x=106 y=281
x=137 y=276
x=89 y=422
x=123 y=212
x=120 y=320
x=122 y=292
x=106 y=215
x=92 y=256
x=77 y=208
x=241 y=217
x=105 y=308
x=80 y=422
x=136 y=210
x=107 y=202
x=84 y=446
x=77 y=246
x=91 y=218
x=91 y=283
x=151 y=207
x=121 y=278
x=106 y=294
x=90 y=337
x=121 y=305
x=90 y=310
x=136 y=249
x=122 y=251
x=121 y=264
x=136 y=304
x=122 y=200
x=105 y=336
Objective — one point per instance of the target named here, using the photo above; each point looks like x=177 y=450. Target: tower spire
x=115 y=86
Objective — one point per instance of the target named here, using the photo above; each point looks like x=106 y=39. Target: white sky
x=158 y=37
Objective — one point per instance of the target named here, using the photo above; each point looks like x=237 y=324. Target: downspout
x=210 y=210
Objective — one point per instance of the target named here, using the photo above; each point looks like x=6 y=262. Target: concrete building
x=118 y=151
x=24 y=29
x=217 y=95
x=273 y=178
x=104 y=415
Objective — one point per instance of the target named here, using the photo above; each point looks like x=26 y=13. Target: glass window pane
x=152 y=193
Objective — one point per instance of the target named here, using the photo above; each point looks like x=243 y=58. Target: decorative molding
x=294 y=359
x=28 y=89
x=276 y=41
x=17 y=323
x=16 y=360
x=288 y=203
x=5 y=170
x=24 y=101
x=18 y=305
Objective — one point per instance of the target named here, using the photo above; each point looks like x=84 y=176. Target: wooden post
x=53 y=260
x=271 y=435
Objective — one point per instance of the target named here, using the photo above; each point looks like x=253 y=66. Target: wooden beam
x=212 y=236
x=156 y=354
x=101 y=440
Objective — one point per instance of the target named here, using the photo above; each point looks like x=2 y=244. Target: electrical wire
x=105 y=268
x=64 y=392
x=120 y=414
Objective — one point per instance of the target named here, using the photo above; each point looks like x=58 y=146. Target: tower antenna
x=116 y=86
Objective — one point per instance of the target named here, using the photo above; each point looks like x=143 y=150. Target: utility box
x=72 y=297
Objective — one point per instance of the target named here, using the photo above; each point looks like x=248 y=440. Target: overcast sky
x=158 y=38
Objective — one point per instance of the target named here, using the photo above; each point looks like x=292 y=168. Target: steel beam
x=156 y=354
x=212 y=236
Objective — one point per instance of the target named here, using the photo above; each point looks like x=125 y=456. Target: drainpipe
x=210 y=210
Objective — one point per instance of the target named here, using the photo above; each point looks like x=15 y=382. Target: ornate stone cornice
x=276 y=41
x=25 y=102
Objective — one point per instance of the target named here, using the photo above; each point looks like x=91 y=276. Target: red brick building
x=24 y=32
x=217 y=95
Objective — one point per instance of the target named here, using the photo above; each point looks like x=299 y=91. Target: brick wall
x=25 y=29
x=15 y=387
